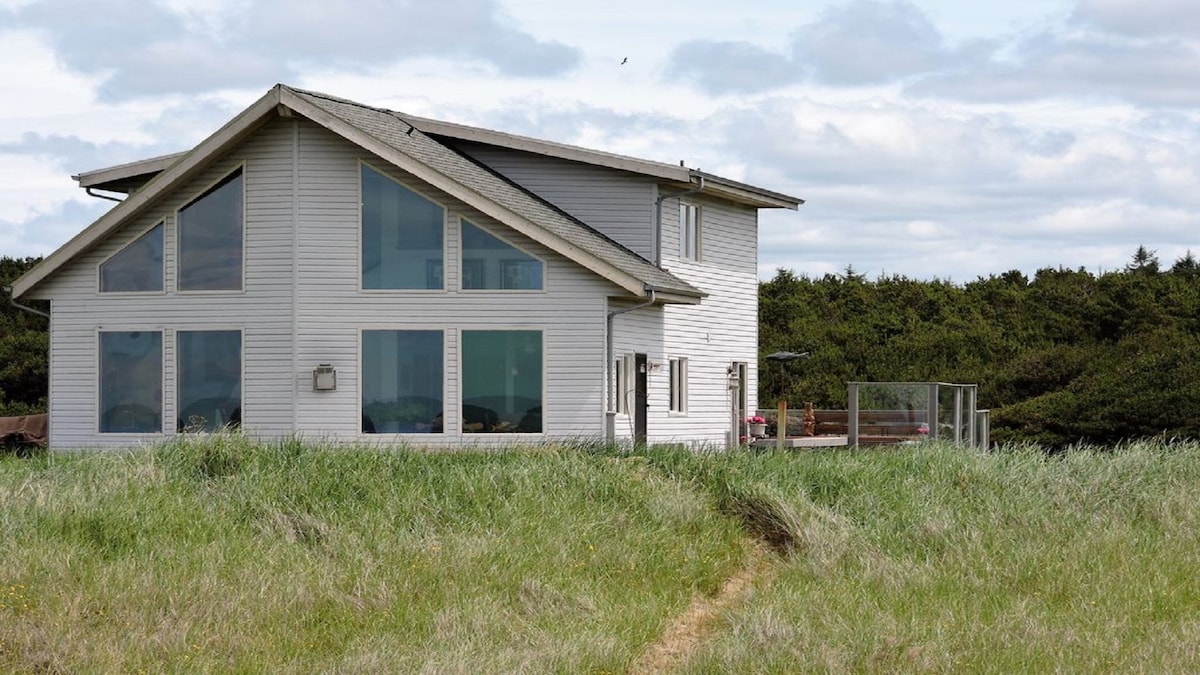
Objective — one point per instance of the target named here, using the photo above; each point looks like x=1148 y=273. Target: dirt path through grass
x=689 y=629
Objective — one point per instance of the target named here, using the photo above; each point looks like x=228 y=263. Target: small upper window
x=138 y=267
x=210 y=238
x=491 y=263
x=401 y=236
x=689 y=231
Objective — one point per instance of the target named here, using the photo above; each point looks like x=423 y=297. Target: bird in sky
x=624 y=60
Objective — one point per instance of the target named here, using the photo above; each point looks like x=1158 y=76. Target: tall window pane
x=209 y=379
x=137 y=267
x=402 y=381
x=502 y=381
x=210 y=239
x=401 y=236
x=131 y=382
x=689 y=231
x=490 y=263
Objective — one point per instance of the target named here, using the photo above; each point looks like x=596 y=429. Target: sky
x=934 y=139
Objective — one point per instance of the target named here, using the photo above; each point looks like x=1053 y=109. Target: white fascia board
x=222 y=139
x=749 y=195
x=123 y=171
x=450 y=186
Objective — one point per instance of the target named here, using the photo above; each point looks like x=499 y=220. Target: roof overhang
x=127 y=177
x=680 y=175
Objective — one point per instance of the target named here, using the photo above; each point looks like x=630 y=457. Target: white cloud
x=141 y=49
x=1126 y=17
x=930 y=138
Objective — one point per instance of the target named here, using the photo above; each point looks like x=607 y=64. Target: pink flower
x=923 y=429
x=757 y=419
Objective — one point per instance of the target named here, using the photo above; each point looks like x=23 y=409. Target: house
x=330 y=270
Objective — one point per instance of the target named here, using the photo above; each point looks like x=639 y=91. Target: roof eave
x=549 y=148
x=747 y=194
x=114 y=178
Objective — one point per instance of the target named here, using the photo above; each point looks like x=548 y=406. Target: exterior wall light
x=324 y=378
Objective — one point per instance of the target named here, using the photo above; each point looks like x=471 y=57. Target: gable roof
x=125 y=177
x=388 y=135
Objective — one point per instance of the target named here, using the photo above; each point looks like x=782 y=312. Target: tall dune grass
x=934 y=559
x=219 y=555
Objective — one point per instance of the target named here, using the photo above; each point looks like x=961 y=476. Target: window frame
x=449 y=426
x=446 y=225
x=461 y=366
x=178 y=411
x=690 y=231
x=208 y=189
x=503 y=262
x=161 y=222
x=677 y=385
x=162 y=379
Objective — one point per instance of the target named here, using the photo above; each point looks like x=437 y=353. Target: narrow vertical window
x=502 y=381
x=210 y=238
x=209 y=379
x=401 y=236
x=619 y=376
x=130 y=382
x=624 y=383
x=402 y=382
x=678 y=385
x=689 y=231
x=136 y=268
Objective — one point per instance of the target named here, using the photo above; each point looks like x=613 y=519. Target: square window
x=402 y=382
x=502 y=381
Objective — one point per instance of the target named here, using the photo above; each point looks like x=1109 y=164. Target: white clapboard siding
x=301 y=305
x=617 y=203
x=721 y=330
x=332 y=309
x=262 y=311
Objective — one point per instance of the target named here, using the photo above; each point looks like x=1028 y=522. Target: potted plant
x=758 y=425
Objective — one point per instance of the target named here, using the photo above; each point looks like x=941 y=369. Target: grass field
x=218 y=555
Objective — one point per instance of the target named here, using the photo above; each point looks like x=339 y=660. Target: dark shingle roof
x=390 y=128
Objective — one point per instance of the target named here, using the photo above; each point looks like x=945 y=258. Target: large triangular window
x=137 y=268
x=490 y=263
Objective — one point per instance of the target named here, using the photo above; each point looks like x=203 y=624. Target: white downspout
x=14 y=303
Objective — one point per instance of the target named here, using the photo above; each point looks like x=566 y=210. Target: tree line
x=1067 y=356
x=24 y=340
x=1063 y=357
